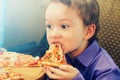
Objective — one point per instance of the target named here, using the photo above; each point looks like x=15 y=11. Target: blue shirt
x=95 y=64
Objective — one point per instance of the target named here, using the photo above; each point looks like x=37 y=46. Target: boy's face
x=64 y=26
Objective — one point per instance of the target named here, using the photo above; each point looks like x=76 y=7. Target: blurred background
x=21 y=21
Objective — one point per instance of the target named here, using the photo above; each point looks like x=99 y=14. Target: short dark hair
x=88 y=11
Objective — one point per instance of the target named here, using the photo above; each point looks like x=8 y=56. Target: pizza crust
x=50 y=64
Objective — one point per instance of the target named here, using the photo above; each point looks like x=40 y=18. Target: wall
x=24 y=21
x=1 y=22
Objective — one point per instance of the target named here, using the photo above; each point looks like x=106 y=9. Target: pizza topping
x=54 y=56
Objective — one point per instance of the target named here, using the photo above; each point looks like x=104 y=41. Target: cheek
x=69 y=43
x=72 y=43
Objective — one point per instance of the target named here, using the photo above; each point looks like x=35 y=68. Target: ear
x=90 y=31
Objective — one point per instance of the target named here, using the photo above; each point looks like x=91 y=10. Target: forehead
x=56 y=8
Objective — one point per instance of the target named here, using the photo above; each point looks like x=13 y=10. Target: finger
x=17 y=78
x=51 y=74
x=59 y=74
x=69 y=69
x=57 y=71
x=66 y=67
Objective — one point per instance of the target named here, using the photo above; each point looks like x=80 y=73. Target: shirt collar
x=88 y=55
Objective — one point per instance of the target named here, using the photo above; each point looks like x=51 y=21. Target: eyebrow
x=65 y=19
x=62 y=19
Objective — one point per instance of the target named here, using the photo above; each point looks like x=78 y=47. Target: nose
x=55 y=33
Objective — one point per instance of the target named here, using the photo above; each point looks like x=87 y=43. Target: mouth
x=58 y=44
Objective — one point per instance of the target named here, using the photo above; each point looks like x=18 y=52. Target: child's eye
x=48 y=26
x=64 y=26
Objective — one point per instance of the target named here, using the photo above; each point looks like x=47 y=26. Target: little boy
x=74 y=24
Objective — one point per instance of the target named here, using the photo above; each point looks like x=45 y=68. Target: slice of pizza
x=13 y=59
x=54 y=56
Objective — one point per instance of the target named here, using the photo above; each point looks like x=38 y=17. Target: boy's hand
x=65 y=72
